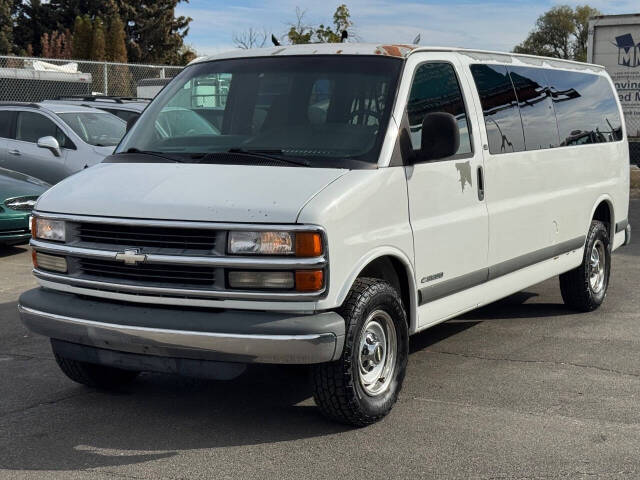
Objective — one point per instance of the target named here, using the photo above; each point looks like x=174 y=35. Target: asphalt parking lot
x=523 y=388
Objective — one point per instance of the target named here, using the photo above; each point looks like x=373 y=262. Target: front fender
x=379 y=252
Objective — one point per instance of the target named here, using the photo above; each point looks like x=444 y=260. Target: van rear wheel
x=585 y=287
x=363 y=385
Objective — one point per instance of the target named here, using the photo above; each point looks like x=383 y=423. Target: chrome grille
x=147 y=236
x=175 y=258
x=175 y=275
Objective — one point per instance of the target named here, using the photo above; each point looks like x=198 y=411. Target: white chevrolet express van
x=334 y=200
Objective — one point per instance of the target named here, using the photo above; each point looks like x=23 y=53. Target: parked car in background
x=52 y=141
x=18 y=196
x=122 y=107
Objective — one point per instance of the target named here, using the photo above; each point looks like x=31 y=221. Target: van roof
x=390 y=50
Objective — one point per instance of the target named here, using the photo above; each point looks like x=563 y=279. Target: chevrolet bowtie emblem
x=131 y=257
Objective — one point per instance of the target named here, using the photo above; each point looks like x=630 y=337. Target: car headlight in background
x=24 y=204
x=46 y=229
x=300 y=244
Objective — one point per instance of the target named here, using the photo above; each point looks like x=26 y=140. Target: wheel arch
x=393 y=266
x=604 y=211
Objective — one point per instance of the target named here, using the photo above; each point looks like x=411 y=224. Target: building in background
x=614 y=42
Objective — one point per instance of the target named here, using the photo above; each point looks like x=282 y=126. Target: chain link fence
x=27 y=79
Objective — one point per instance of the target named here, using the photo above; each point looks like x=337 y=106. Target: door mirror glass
x=50 y=143
x=440 y=136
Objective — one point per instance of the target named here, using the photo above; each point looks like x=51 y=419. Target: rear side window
x=536 y=107
x=585 y=107
x=6 y=117
x=436 y=89
x=31 y=126
x=500 y=108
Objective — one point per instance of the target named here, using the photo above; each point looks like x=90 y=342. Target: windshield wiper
x=264 y=154
x=150 y=152
x=272 y=154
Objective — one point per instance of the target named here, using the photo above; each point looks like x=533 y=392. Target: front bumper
x=199 y=334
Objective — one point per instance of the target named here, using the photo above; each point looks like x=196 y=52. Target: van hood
x=169 y=191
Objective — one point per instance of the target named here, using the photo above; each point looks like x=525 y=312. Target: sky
x=484 y=24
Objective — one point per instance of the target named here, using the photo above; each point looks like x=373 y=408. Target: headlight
x=21 y=203
x=46 y=229
x=301 y=244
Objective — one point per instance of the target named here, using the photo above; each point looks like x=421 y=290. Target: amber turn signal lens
x=309 y=280
x=34 y=258
x=308 y=244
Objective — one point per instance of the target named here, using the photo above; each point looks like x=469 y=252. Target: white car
x=51 y=141
x=349 y=196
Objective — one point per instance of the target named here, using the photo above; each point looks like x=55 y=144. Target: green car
x=18 y=195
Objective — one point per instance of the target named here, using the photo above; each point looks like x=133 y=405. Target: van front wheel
x=585 y=287
x=93 y=375
x=363 y=385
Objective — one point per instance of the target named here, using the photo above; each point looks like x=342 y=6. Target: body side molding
x=473 y=279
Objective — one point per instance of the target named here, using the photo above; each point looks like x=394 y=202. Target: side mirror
x=440 y=137
x=132 y=120
x=50 y=143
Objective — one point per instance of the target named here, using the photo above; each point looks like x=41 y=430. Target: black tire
x=338 y=386
x=577 y=289
x=94 y=375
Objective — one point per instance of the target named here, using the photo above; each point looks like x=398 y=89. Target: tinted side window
x=436 y=89
x=536 y=107
x=500 y=108
x=31 y=126
x=585 y=107
x=123 y=114
x=6 y=117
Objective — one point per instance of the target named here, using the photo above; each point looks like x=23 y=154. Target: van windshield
x=319 y=111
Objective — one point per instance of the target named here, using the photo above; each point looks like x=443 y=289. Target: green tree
x=152 y=31
x=31 y=19
x=6 y=27
x=56 y=45
x=582 y=13
x=65 y=12
x=155 y=34
x=561 y=32
x=82 y=33
x=186 y=54
x=98 y=44
x=300 y=32
x=116 y=44
x=341 y=23
x=120 y=79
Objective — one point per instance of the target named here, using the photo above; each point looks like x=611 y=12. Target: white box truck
x=614 y=42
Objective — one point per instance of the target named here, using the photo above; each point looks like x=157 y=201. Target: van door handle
x=14 y=152
x=480 y=184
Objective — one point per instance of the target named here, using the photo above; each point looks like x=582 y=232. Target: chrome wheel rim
x=597 y=267
x=377 y=353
